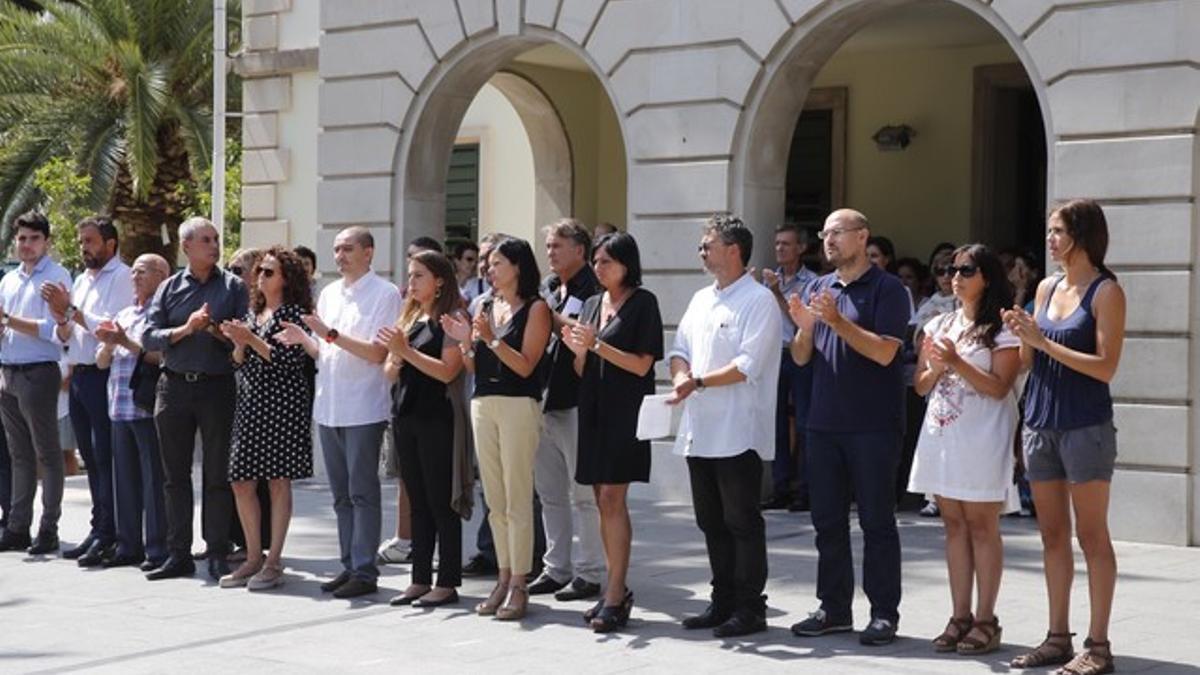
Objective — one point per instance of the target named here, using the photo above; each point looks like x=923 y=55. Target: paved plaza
x=55 y=617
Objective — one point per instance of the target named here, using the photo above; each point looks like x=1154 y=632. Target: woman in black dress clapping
x=616 y=342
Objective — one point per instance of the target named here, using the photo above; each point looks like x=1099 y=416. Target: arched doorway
x=565 y=111
x=949 y=70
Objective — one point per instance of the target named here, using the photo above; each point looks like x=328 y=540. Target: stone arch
x=762 y=138
x=433 y=117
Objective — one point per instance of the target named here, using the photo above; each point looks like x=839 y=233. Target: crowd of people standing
x=480 y=365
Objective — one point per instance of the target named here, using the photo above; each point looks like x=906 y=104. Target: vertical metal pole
x=218 y=131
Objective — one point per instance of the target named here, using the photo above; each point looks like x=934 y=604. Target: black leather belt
x=85 y=367
x=28 y=366
x=192 y=376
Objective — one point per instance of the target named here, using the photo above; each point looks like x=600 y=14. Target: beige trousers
x=507 y=429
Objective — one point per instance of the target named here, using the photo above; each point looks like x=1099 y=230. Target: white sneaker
x=395 y=551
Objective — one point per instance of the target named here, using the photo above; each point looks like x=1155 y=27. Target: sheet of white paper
x=654 y=417
x=574 y=304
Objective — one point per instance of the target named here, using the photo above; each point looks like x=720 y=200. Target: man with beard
x=849 y=326
x=104 y=288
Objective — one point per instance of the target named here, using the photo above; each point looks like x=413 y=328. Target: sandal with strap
x=1055 y=650
x=1096 y=659
x=494 y=600
x=517 y=605
x=956 y=629
x=970 y=645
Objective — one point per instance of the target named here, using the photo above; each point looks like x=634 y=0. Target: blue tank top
x=1057 y=397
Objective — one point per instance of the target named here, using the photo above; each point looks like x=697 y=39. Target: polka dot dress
x=272 y=423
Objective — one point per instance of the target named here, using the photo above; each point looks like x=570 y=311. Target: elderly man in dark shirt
x=196 y=391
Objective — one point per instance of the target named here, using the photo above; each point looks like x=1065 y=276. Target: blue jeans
x=795 y=395
x=352 y=464
x=93 y=433
x=138 y=480
x=861 y=465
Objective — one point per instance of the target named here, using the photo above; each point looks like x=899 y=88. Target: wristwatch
x=493 y=343
x=699 y=382
x=595 y=346
x=72 y=310
x=4 y=320
x=332 y=335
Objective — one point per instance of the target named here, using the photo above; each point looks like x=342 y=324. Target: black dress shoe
x=775 y=503
x=336 y=582
x=354 y=588
x=152 y=564
x=173 y=568
x=546 y=584
x=46 y=542
x=217 y=567
x=95 y=555
x=580 y=589
x=799 y=505
x=11 y=541
x=77 y=551
x=741 y=623
x=121 y=560
x=712 y=617
x=479 y=566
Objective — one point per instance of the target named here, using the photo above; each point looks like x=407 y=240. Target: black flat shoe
x=403 y=600
x=355 y=588
x=336 y=582
x=173 y=568
x=448 y=600
x=95 y=555
x=76 y=551
x=580 y=589
x=45 y=543
x=741 y=623
x=712 y=617
x=152 y=564
x=11 y=541
x=217 y=567
x=121 y=560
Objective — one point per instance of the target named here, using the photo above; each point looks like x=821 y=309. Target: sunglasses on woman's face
x=235 y=269
x=266 y=272
x=967 y=271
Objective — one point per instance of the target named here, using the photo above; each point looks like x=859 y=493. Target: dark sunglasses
x=266 y=272
x=967 y=271
x=236 y=269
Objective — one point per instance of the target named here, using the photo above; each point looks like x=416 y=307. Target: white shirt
x=352 y=391
x=21 y=296
x=99 y=294
x=738 y=324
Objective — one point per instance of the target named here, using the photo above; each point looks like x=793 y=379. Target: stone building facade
x=706 y=94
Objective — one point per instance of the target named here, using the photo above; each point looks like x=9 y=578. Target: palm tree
x=123 y=88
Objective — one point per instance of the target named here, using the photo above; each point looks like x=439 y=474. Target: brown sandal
x=1096 y=659
x=972 y=646
x=1055 y=650
x=494 y=600
x=956 y=629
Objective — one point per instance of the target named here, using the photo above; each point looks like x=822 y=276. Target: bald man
x=849 y=326
x=137 y=470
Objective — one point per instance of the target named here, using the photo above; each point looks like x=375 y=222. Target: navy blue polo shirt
x=851 y=392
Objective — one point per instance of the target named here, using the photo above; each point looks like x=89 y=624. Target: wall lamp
x=893 y=137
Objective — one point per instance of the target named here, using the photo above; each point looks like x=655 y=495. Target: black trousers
x=180 y=410
x=425 y=453
x=725 y=494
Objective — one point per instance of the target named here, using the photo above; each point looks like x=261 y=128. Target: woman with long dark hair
x=967 y=367
x=426 y=364
x=616 y=342
x=272 y=421
x=1072 y=344
x=502 y=346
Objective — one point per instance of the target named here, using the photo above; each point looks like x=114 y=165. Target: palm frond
x=144 y=112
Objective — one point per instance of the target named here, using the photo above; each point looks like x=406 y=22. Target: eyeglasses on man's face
x=835 y=232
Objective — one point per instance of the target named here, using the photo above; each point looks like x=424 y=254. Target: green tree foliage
x=121 y=88
x=64 y=201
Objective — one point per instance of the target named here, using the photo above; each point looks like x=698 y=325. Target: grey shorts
x=1075 y=455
